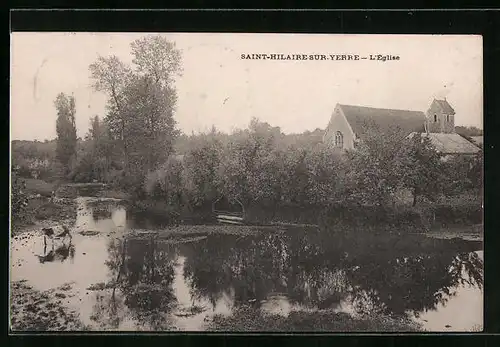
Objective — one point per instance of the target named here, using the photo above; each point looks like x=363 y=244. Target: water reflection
x=280 y=273
x=59 y=253
x=152 y=284
x=322 y=274
x=142 y=272
x=104 y=215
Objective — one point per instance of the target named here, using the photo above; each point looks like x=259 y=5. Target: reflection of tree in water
x=206 y=269
x=218 y=264
x=313 y=276
x=143 y=273
x=414 y=284
x=315 y=269
x=109 y=310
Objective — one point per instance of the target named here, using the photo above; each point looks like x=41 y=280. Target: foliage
x=151 y=125
x=423 y=168
x=156 y=57
x=377 y=166
x=201 y=165
x=279 y=181
x=19 y=199
x=66 y=130
x=141 y=102
x=165 y=183
x=98 y=157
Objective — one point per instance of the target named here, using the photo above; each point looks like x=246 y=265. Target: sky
x=219 y=88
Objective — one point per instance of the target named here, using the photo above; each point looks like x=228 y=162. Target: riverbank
x=41 y=211
x=32 y=310
x=98 y=190
x=247 y=319
x=468 y=233
x=458 y=220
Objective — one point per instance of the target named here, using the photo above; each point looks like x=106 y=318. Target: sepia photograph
x=232 y=182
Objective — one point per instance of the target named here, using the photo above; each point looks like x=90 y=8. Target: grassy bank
x=472 y=233
x=247 y=319
x=32 y=310
x=398 y=218
x=36 y=186
x=98 y=190
x=41 y=211
x=181 y=231
x=162 y=213
x=444 y=220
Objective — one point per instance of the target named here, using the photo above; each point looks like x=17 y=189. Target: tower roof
x=442 y=106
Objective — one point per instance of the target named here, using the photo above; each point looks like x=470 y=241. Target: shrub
x=165 y=184
x=19 y=200
x=463 y=214
x=413 y=219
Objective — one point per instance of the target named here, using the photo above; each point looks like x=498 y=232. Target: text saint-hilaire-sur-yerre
x=281 y=56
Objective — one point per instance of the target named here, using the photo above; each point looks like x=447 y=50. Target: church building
x=349 y=124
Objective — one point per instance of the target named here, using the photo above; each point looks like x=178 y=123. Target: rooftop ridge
x=380 y=108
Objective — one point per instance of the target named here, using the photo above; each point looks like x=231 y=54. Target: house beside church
x=349 y=124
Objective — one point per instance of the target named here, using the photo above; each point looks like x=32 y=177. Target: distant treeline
x=468 y=131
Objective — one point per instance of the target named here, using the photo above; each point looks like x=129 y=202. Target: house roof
x=478 y=140
x=360 y=118
x=443 y=106
x=452 y=143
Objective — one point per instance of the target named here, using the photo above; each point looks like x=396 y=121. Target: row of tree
x=258 y=165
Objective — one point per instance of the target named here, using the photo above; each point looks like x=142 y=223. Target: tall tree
x=151 y=127
x=111 y=76
x=100 y=149
x=141 y=101
x=158 y=58
x=157 y=63
x=66 y=130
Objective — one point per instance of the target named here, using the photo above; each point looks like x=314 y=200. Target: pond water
x=120 y=282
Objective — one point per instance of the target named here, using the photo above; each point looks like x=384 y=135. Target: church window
x=339 y=140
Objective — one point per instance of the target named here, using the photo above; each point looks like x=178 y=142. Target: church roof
x=361 y=118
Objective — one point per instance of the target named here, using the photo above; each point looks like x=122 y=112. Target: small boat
x=228 y=211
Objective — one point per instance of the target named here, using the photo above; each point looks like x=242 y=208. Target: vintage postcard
x=246 y=182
